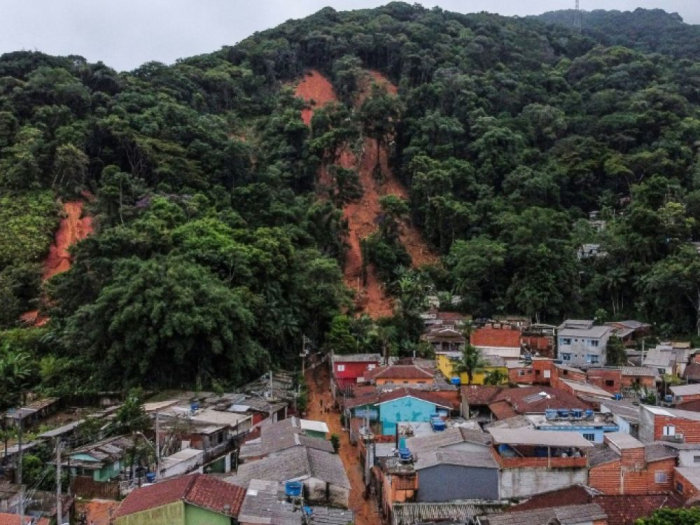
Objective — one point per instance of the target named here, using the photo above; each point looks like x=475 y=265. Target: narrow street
x=318 y=382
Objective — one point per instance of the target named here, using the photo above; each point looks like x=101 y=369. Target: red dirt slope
x=73 y=228
x=362 y=215
x=314 y=88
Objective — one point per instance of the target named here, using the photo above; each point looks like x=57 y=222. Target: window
x=566 y=357
x=341 y=368
x=589 y=437
x=660 y=477
x=537 y=372
x=696 y=459
x=521 y=372
x=565 y=341
x=371 y=367
x=669 y=430
x=609 y=382
x=547 y=374
x=679 y=487
x=593 y=342
x=592 y=358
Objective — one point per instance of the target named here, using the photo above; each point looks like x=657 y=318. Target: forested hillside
x=220 y=236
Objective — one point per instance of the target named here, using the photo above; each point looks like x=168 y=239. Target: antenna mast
x=578 y=22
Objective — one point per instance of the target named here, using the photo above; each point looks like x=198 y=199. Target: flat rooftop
x=532 y=437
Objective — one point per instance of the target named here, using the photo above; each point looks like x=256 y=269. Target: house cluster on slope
x=237 y=458
x=566 y=438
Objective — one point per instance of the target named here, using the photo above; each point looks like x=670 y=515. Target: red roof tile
x=13 y=519
x=216 y=495
x=497 y=337
x=574 y=495
x=197 y=489
x=502 y=410
x=625 y=510
x=399 y=372
x=480 y=395
x=528 y=399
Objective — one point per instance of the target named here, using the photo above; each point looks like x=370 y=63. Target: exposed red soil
x=318 y=381
x=73 y=228
x=97 y=511
x=362 y=215
x=317 y=90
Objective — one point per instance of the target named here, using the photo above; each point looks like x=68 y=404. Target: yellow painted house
x=446 y=362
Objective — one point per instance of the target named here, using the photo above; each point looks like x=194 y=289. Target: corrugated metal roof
x=456 y=512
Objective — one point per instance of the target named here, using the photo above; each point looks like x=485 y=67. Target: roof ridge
x=190 y=485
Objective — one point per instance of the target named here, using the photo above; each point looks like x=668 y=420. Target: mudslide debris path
x=362 y=216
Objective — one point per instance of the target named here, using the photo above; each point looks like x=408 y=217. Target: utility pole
x=19 y=469
x=59 y=500
x=272 y=395
x=157 y=444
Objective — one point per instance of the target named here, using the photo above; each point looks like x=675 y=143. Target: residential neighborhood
x=508 y=436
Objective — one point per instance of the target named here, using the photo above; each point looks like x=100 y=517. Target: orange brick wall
x=685 y=399
x=600 y=378
x=605 y=478
x=644 y=381
x=614 y=478
x=690 y=429
x=426 y=381
x=689 y=490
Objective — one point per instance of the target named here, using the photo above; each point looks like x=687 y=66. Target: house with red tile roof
x=512 y=402
x=188 y=500
x=620 y=509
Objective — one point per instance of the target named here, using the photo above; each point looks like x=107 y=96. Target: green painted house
x=197 y=499
x=102 y=461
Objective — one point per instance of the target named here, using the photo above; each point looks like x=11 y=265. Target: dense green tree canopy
x=522 y=144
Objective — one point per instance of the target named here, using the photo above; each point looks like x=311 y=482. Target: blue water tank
x=455 y=381
x=668 y=398
x=293 y=488
x=563 y=412
x=438 y=425
x=577 y=413
x=194 y=406
x=443 y=414
x=308 y=511
x=550 y=413
x=151 y=477
x=618 y=396
x=589 y=414
x=405 y=454
x=434 y=416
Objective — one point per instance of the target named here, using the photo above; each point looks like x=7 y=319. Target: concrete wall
x=646 y=425
x=686 y=458
x=318 y=491
x=172 y=514
x=524 y=482
x=453 y=482
x=199 y=516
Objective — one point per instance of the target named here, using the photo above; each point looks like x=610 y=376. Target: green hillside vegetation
x=213 y=252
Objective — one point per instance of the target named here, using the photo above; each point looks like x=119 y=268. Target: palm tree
x=471 y=361
x=15 y=370
x=495 y=377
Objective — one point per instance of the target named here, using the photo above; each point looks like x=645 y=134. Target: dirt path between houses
x=318 y=381
x=362 y=216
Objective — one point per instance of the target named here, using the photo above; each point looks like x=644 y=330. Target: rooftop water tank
x=589 y=414
x=292 y=489
x=455 y=381
x=443 y=414
x=563 y=412
x=151 y=477
x=577 y=413
x=405 y=455
x=550 y=413
x=618 y=396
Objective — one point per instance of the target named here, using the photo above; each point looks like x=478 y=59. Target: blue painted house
x=409 y=405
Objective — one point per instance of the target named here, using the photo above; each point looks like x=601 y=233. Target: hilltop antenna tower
x=578 y=18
